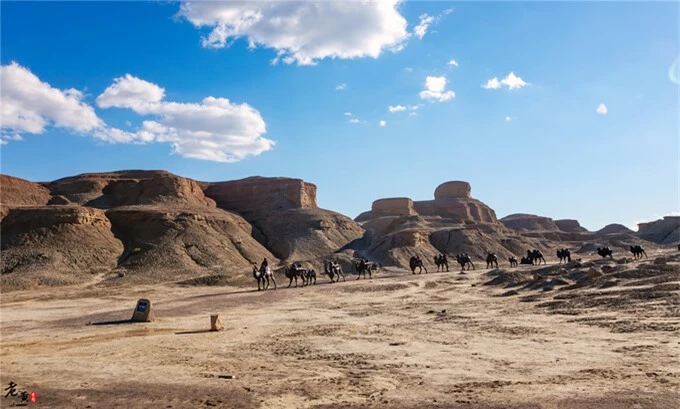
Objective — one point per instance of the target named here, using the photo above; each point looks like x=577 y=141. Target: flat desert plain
x=566 y=339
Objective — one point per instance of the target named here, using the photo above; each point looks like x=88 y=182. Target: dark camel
x=334 y=270
x=605 y=252
x=416 y=262
x=536 y=257
x=295 y=271
x=638 y=251
x=463 y=260
x=491 y=259
x=441 y=261
x=364 y=266
x=564 y=255
x=513 y=261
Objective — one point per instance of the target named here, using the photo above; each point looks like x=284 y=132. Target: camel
x=259 y=277
x=416 y=262
x=293 y=272
x=513 y=261
x=310 y=277
x=604 y=252
x=268 y=275
x=536 y=257
x=463 y=260
x=638 y=251
x=491 y=259
x=564 y=255
x=441 y=261
x=333 y=269
x=526 y=260
x=364 y=266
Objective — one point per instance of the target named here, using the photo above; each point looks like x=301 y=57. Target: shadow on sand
x=200 y=331
x=112 y=322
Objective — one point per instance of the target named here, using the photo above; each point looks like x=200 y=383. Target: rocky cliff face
x=664 y=231
x=155 y=226
x=570 y=226
x=259 y=194
x=56 y=245
x=285 y=215
x=15 y=192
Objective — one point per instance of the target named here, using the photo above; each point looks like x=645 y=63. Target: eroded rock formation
x=451 y=200
x=258 y=194
x=285 y=214
x=154 y=226
x=15 y=192
x=664 y=231
x=529 y=222
x=56 y=245
x=570 y=226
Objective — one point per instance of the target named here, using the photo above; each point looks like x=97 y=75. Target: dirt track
x=397 y=341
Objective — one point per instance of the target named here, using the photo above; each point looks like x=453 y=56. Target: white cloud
x=435 y=90
x=353 y=121
x=452 y=62
x=215 y=129
x=421 y=29
x=493 y=83
x=508 y=118
x=511 y=81
x=426 y=21
x=399 y=108
x=601 y=109
x=408 y=69
x=303 y=32
x=341 y=87
x=29 y=105
x=347 y=114
x=131 y=92
x=382 y=123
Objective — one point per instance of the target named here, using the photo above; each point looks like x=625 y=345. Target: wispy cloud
x=408 y=69
x=398 y=108
x=435 y=90
x=508 y=118
x=354 y=121
x=426 y=20
x=511 y=81
x=341 y=87
x=347 y=114
x=382 y=123
x=421 y=29
x=601 y=109
x=452 y=62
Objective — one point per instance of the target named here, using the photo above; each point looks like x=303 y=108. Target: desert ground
x=565 y=339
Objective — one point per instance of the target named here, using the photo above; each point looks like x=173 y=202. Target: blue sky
x=530 y=142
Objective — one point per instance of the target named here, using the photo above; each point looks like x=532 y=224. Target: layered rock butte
x=151 y=226
x=452 y=223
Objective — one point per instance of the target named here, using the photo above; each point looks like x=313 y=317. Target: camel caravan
x=363 y=267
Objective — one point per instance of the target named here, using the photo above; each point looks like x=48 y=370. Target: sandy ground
x=441 y=340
